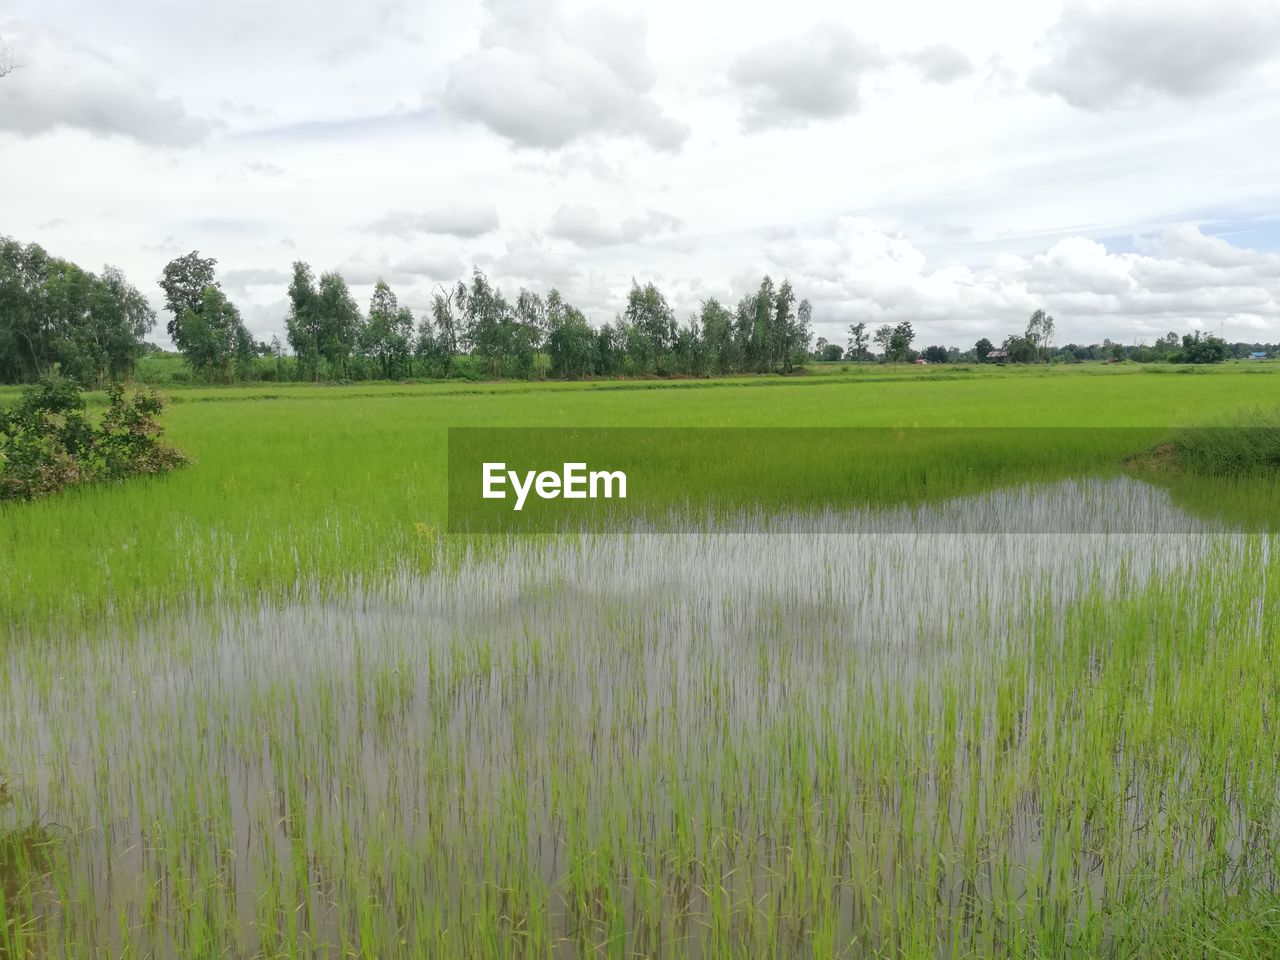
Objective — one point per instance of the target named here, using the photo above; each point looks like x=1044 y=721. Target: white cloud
x=62 y=83
x=1118 y=53
x=795 y=80
x=541 y=78
x=864 y=272
x=978 y=202
x=582 y=224
x=940 y=63
x=466 y=220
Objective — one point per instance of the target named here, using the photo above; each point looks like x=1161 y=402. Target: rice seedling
x=757 y=744
x=288 y=716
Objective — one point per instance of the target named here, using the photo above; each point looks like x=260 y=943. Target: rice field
x=268 y=707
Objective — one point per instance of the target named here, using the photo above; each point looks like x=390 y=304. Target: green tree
x=215 y=341
x=1199 y=348
x=610 y=349
x=387 y=336
x=571 y=343
x=883 y=338
x=982 y=349
x=338 y=323
x=651 y=329
x=858 y=340
x=121 y=317
x=183 y=283
x=900 y=339
x=795 y=331
x=303 y=323
x=718 y=340
x=438 y=334
x=936 y=354
x=1019 y=350
x=488 y=324
x=1039 y=333
x=53 y=312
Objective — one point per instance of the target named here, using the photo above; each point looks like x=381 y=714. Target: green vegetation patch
x=47 y=443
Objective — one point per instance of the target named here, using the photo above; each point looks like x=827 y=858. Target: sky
x=956 y=165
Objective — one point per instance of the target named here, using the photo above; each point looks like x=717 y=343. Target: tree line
x=1033 y=345
x=330 y=338
x=53 y=314
x=56 y=316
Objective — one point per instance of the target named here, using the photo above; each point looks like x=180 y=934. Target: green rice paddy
x=266 y=707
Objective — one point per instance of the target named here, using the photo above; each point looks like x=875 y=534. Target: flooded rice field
x=1031 y=722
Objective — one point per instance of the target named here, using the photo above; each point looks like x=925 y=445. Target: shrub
x=47 y=442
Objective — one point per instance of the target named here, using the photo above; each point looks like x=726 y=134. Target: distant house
x=1258 y=355
x=998 y=355
x=921 y=362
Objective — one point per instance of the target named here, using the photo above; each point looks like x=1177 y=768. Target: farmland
x=267 y=705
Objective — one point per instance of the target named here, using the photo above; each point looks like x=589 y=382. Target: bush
x=47 y=442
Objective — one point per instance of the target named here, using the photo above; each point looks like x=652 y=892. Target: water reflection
x=557 y=733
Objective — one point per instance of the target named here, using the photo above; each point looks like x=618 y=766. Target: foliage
x=828 y=352
x=47 y=442
x=1247 y=445
x=895 y=341
x=571 y=343
x=184 y=281
x=1019 y=349
x=1197 y=348
x=936 y=354
x=1039 y=333
x=213 y=338
x=858 y=341
x=53 y=314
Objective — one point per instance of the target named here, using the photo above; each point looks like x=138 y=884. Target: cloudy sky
x=958 y=165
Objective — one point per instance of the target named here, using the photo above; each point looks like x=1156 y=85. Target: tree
x=1039 y=333
x=387 y=336
x=1198 y=348
x=215 y=340
x=1019 y=349
x=797 y=333
x=900 y=342
x=982 y=349
x=718 y=342
x=303 y=323
x=488 y=324
x=120 y=316
x=610 y=347
x=936 y=354
x=7 y=65
x=438 y=334
x=829 y=352
x=338 y=322
x=651 y=329
x=183 y=284
x=858 y=340
x=571 y=343
x=53 y=312
x=883 y=337
x=527 y=333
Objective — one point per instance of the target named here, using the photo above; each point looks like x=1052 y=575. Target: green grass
x=299 y=483
x=690 y=746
